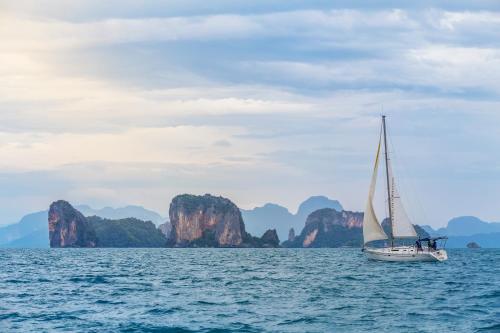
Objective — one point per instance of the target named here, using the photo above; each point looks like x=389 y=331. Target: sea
x=245 y=290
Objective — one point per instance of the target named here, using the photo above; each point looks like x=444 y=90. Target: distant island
x=259 y=219
x=69 y=228
x=464 y=230
x=473 y=245
x=212 y=221
x=200 y=221
x=330 y=228
x=196 y=221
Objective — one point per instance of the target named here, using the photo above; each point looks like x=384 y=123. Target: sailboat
x=400 y=225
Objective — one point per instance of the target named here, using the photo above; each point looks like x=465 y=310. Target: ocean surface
x=245 y=290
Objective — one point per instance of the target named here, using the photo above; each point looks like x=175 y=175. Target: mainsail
x=371 y=226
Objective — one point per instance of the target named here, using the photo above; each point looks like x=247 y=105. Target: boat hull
x=405 y=253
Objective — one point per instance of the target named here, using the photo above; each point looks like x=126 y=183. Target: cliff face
x=270 y=239
x=273 y=216
x=205 y=221
x=68 y=227
x=328 y=217
x=330 y=228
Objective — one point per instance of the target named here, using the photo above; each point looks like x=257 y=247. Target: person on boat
x=419 y=245
x=432 y=245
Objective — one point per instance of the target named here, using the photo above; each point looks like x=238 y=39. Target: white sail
x=401 y=224
x=371 y=226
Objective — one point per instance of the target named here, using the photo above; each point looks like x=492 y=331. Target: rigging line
x=407 y=184
x=401 y=180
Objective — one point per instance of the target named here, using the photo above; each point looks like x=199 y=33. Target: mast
x=388 y=182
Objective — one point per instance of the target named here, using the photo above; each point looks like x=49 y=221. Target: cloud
x=179 y=144
x=24 y=34
x=36 y=98
x=116 y=103
x=222 y=143
x=335 y=26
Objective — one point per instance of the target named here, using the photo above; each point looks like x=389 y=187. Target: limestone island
x=195 y=221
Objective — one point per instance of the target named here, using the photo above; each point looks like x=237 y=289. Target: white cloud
x=460 y=20
x=36 y=97
x=297 y=95
x=181 y=144
x=459 y=67
x=23 y=34
x=341 y=25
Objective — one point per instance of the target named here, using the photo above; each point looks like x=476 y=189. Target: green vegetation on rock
x=129 y=232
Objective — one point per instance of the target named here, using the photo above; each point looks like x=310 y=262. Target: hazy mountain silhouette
x=31 y=223
x=315 y=203
x=465 y=226
x=137 y=212
x=491 y=240
x=32 y=229
x=36 y=239
x=465 y=229
x=273 y=216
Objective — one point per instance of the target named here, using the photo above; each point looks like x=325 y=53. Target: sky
x=119 y=102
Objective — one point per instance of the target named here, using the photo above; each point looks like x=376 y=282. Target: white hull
x=405 y=253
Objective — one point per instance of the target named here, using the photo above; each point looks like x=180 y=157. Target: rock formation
x=270 y=239
x=209 y=221
x=273 y=216
x=68 y=227
x=328 y=217
x=330 y=228
x=206 y=221
x=473 y=245
x=291 y=235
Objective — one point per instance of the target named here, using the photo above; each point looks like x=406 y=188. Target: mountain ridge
x=462 y=230
x=136 y=211
x=466 y=225
x=275 y=216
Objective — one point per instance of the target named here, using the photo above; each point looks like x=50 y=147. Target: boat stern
x=440 y=255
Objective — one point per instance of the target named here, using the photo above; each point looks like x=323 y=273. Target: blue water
x=246 y=290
